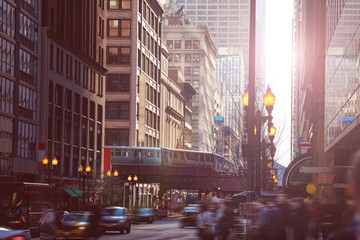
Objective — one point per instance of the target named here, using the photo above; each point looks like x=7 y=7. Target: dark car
x=162 y=213
x=115 y=219
x=74 y=225
x=190 y=213
x=145 y=215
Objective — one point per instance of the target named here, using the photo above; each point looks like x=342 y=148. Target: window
x=187 y=57
x=118 y=83
x=169 y=43
x=117 y=110
x=119 y=28
x=119 y=4
x=171 y=58
x=195 y=84
x=188 y=44
x=187 y=70
x=195 y=71
x=118 y=55
x=196 y=44
x=177 y=44
x=118 y=137
x=177 y=57
x=196 y=57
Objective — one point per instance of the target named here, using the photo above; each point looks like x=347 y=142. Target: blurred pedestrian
x=204 y=223
x=48 y=223
x=281 y=203
x=94 y=230
x=274 y=225
x=352 y=231
x=300 y=219
x=315 y=220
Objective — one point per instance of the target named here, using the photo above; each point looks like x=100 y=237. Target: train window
x=149 y=154
x=194 y=156
x=182 y=155
x=175 y=155
x=117 y=152
x=125 y=153
x=188 y=156
x=165 y=154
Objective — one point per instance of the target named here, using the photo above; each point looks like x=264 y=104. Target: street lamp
x=48 y=169
x=269 y=101
x=115 y=174
x=83 y=175
x=132 y=181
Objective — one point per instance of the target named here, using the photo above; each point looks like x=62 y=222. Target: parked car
x=145 y=215
x=74 y=225
x=115 y=219
x=6 y=233
x=190 y=213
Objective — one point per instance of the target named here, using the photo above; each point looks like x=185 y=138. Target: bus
x=20 y=204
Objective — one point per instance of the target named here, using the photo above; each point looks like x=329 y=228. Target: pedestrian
x=204 y=223
x=300 y=219
x=94 y=230
x=352 y=231
x=48 y=222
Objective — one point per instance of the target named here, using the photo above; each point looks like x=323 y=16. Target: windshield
x=113 y=212
x=78 y=218
x=145 y=211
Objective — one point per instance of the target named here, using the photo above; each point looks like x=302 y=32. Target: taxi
x=74 y=225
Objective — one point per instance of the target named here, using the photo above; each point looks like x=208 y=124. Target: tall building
x=133 y=60
x=19 y=88
x=72 y=86
x=192 y=51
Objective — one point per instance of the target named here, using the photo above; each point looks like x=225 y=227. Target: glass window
x=118 y=55
x=169 y=43
x=188 y=44
x=118 y=83
x=195 y=71
x=119 y=137
x=177 y=44
x=119 y=4
x=187 y=57
x=117 y=110
x=196 y=44
x=177 y=57
x=187 y=70
x=119 y=28
x=196 y=57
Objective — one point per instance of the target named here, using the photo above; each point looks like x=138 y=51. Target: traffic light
x=219 y=188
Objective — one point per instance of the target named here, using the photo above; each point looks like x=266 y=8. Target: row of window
x=27 y=102
x=148 y=66
x=151 y=119
x=28 y=28
x=195 y=71
x=150 y=43
x=152 y=95
x=118 y=55
x=150 y=17
x=28 y=63
x=119 y=4
x=176 y=57
x=188 y=44
x=81 y=72
x=117 y=137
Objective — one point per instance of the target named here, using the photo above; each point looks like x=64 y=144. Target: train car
x=182 y=157
x=123 y=155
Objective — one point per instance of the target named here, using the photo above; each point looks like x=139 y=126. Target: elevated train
x=149 y=156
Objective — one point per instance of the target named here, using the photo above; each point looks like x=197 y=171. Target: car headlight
x=81 y=228
x=17 y=238
x=121 y=221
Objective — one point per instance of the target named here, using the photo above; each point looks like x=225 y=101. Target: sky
x=278 y=38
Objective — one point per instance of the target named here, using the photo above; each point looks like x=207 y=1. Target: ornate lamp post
x=84 y=175
x=269 y=101
x=132 y=181
x=108 y=173
x=48 y=168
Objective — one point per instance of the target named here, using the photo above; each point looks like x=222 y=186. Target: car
x=115 y=219
x=59 y=215
x=190 y=213
x=6 y=233
x=74 y=225
x=145 y=215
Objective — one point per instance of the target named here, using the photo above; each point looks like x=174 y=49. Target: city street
x=159 y=230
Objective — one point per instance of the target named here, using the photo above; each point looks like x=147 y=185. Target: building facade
x=192 y=51
x=72 y=86
x=133 y=60
x=20 y=89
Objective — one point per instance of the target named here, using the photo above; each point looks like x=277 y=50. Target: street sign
x=304 y=145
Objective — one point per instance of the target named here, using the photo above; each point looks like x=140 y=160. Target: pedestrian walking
x=48 y=222
x=204 y=223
